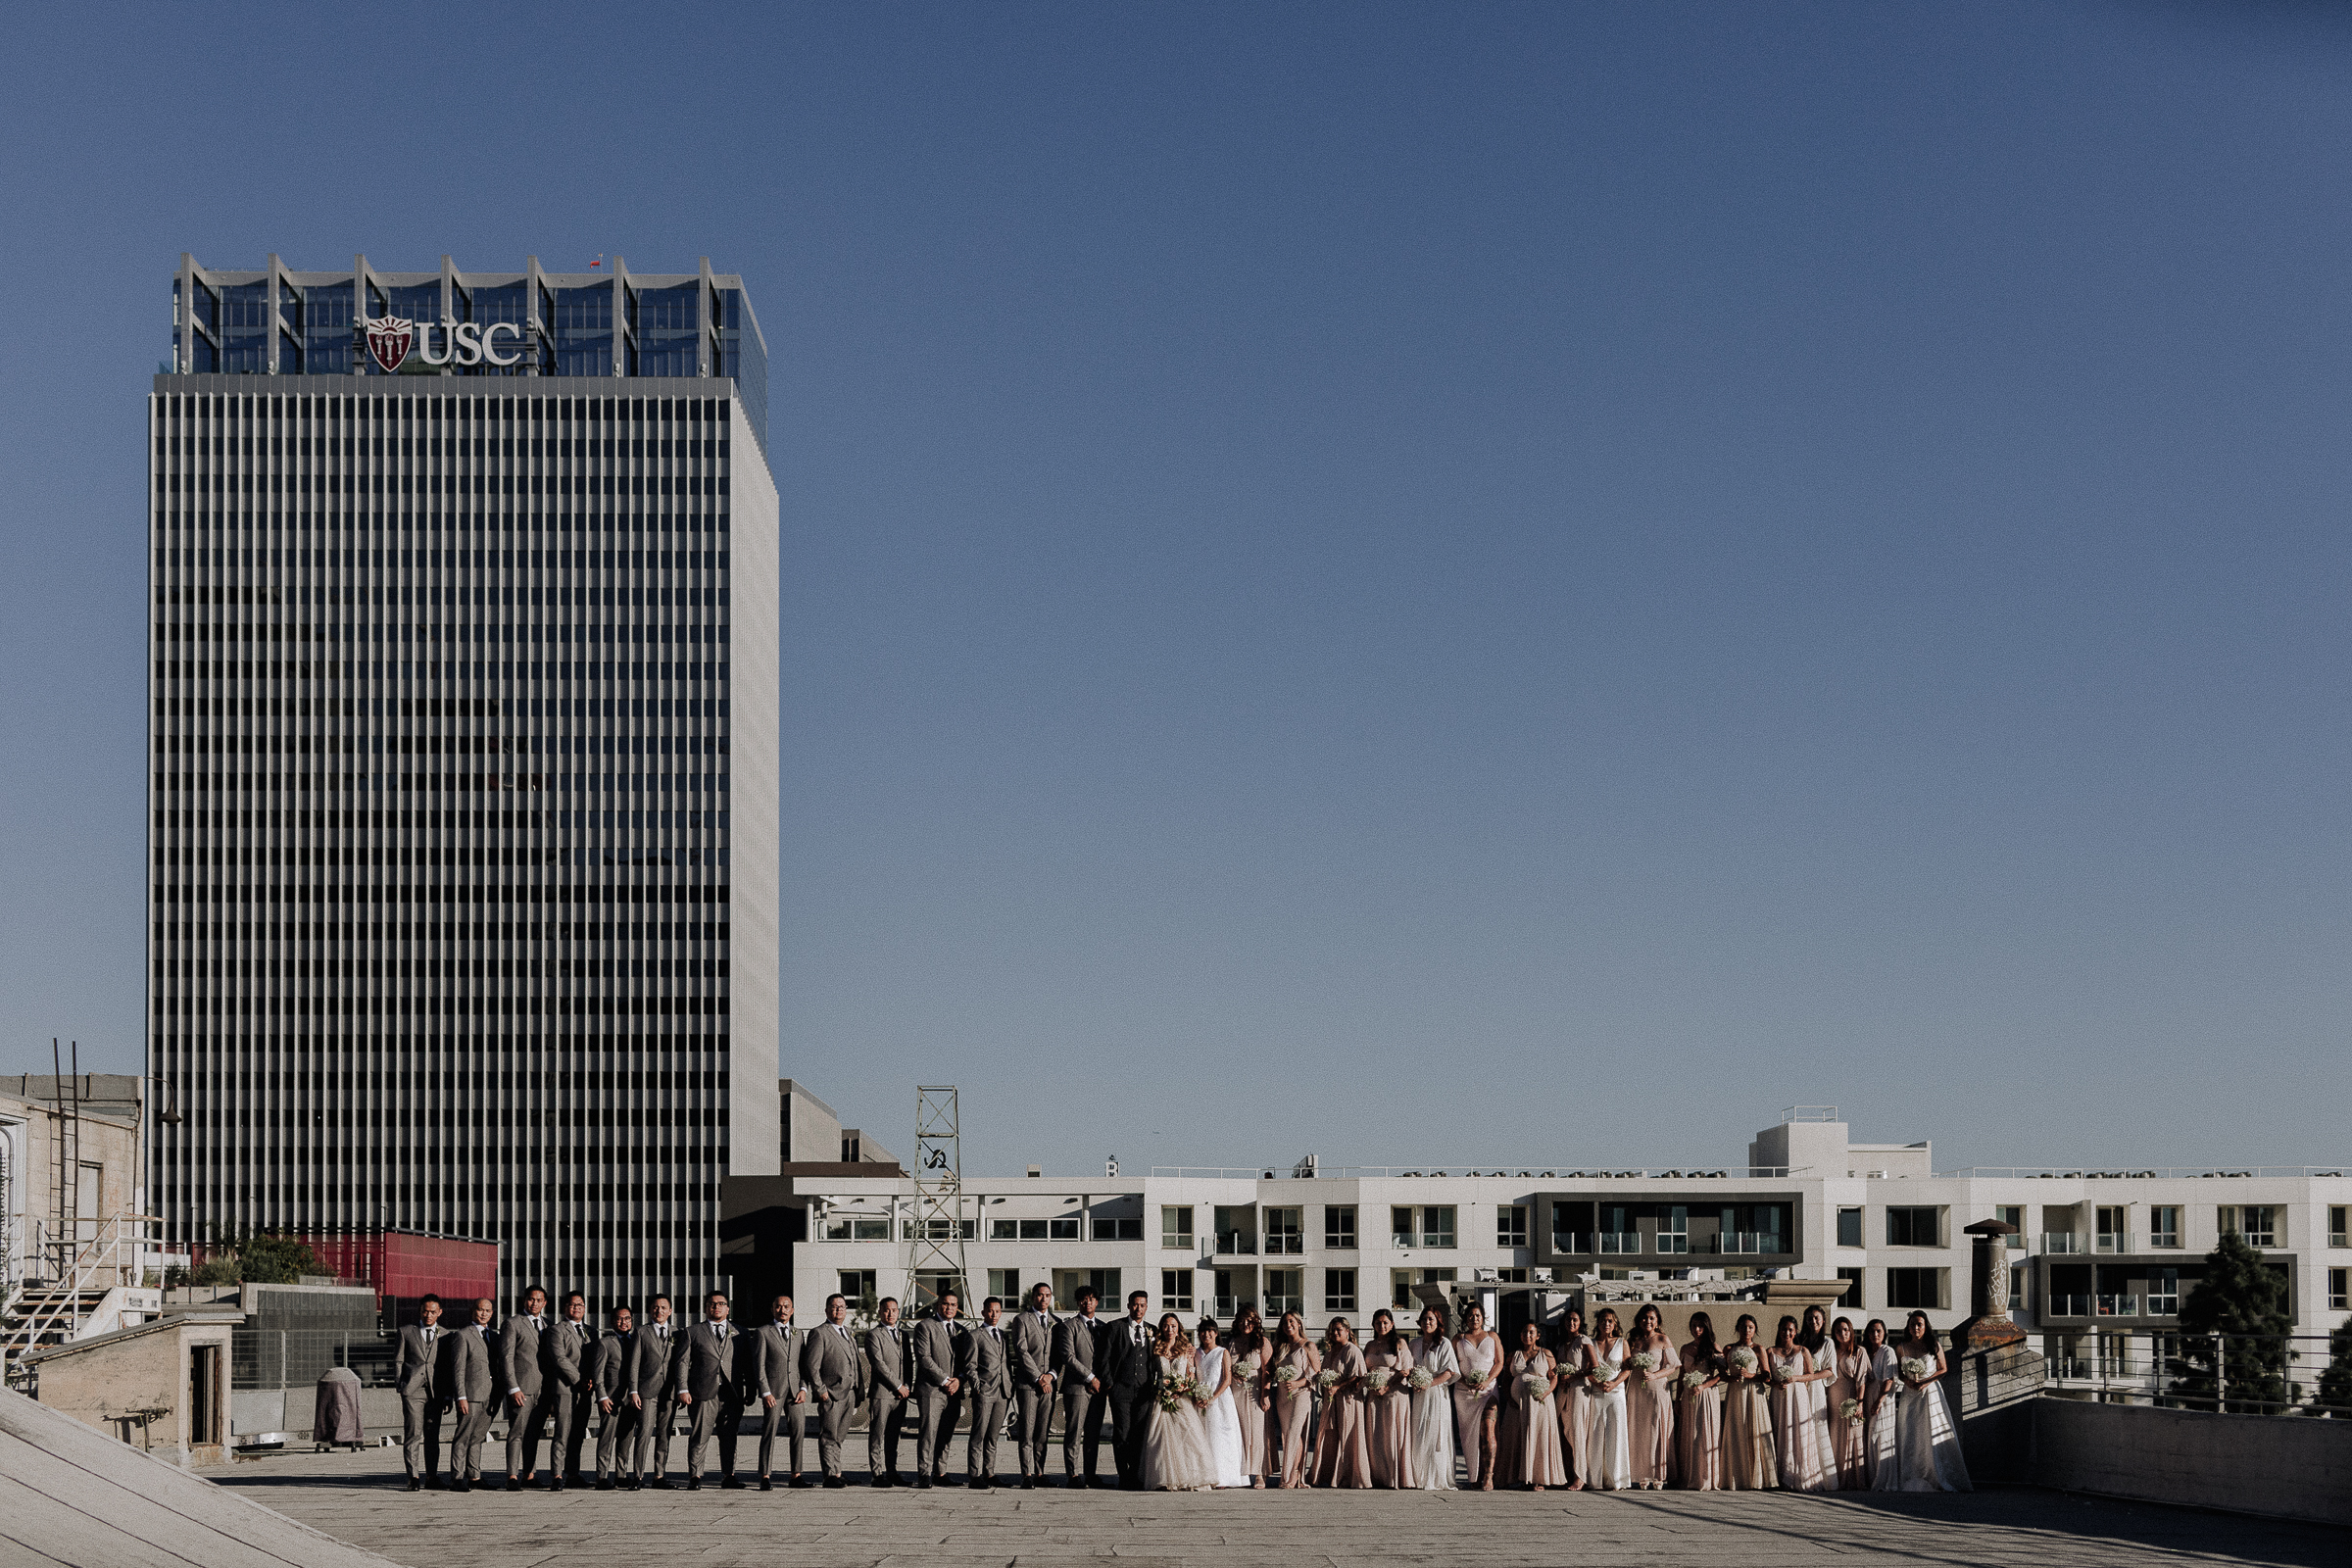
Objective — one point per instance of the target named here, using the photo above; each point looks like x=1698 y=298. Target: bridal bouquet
x=1245 y=1373
x=1476 y=1382
x=1177 y=1387
x=1782 y=1377
x=1643 y=1361
x=1290 y=1374
x=1742 y=1360
x=1851 y=1410
x=1693 y=1381
x=1421 y=1378
x=1327 y=1380
x=1532 y=1385
x=1378 y=1380
x=1919 y=1368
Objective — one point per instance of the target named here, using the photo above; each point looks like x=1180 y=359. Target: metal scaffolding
x=935 y=1238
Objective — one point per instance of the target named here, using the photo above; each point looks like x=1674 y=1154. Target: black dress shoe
x=459 y=1485
x=555 y=1485
x=922 y=1482
x=514 y=1483
x=603 y=1484
x=662 y=1484
x=799 y=1482
x=731 y=1484
x=695 y=1485
x=1028 y=1483
x=416 y=1485
x=835 y=1482
x=766 y=1485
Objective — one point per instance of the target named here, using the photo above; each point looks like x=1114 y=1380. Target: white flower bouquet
x=1742 y=1360
x=1378 y=1379
x=1290 y=1374
x=1919 y=1368
x=1643 y=1361
x=1693 y=1381
x=1245 y=1373
x=1782 y=1375
x=1421 y=1378
x=1327 y=1380
x=1533 y=1386
x=1850 y=1410
x=1476 y=1382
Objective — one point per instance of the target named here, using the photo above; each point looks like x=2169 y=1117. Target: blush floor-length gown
x=1849 y=1446
x=1249 y=1361
x=1389 y=1416
x=1795 y=1434
x=1649 y=1416
x=1537 y=1424
x=1176 y=1452
x=1341 y=1457
x=1698 y=1433
x=1473 y=1406
x=1293 y=1411
x=1748 y=1460
x=1433 y=1415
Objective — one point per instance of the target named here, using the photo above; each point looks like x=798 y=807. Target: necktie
x=428 y=1336
x=996 y=1334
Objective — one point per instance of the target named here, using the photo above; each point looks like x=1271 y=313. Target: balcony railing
x=2115 y=1242
x=2064 y=1242
x=2118 y=1305
x=1277 y=1304
x=1578 y=1244
x=2055 y=1305
x=1613 y=1242
x=1673 y=1242
x=1225 y=1306
x=1743 y=1242
x=1235 y=1243
x=2243 y=1374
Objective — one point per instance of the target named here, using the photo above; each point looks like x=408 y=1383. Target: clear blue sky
x=1422 y=583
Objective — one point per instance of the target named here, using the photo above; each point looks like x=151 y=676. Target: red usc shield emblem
x=388 y=340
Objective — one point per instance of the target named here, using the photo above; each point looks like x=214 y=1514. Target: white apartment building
x=2096 y=1250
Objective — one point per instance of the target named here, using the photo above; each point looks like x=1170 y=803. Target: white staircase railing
x=104 y=1251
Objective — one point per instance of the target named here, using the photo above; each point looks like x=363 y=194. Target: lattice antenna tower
x=935 y=1254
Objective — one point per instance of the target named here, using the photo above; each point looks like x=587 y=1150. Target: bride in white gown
x=1926 y=1445
x=1224 y=1426
x=1176 y=1452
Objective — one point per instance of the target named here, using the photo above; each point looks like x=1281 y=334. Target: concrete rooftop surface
x=359 y=1498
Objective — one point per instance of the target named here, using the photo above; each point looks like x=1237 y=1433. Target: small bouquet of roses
x=1851 y=1410
x=1178 y=1386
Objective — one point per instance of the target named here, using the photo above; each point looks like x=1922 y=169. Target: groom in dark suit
x=1131 y=1379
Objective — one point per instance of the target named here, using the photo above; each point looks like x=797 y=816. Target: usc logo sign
x=390 y=339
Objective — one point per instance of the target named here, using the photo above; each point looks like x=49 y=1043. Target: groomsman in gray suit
x=616 y=1378
x=570 y=1387
x=1029 y=1355
x=660 y=1346
x=988 y=1385
x=829 y=1370
x=892 y=1369
x=1077 y=1345
x=522 y=1373
x=938 y=1387
x=423 y=1394
x=711 y=1383
x=776 y=1369
x=469 y=1360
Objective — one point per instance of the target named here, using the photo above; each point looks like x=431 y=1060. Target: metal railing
x=295 y=1358
x=1618 y=1241
x=117 y=1248
x=2242 y=1374
x=2063 y=1241
x=2159 y=1173
x=2114 y=1242
x=1258 y=1173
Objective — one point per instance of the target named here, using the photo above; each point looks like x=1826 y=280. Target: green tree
x=275 y=1260
x=2336 y=1384
x=2234 y=1335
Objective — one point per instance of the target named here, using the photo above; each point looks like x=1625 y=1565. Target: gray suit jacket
x=986 y=1371
x=776 y=1364
x=470 y=1353
x=655 y=1371
x=571 y=1349
x=615 y=1364
x=710 y=1365
x=518 y=1363
x=829 y=1361
x=420 y=1368
x=1029 y=1346
x=1075 y=1342
x=939 y=1348
x=886 y=1357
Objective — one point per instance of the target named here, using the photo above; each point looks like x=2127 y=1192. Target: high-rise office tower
x=464 y=728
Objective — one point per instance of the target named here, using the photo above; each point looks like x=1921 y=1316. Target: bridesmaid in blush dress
x=1851 y=1369
x=1650 y=1401
x=1795 y=1435
x=1604 y=1460
x=1698 y=1445
x=1813 y=1332
x=1533 y=1376
x=1389 y=1405
x=1476 y=1402
x=1342 y=1458
x=1748 y=1460
x=1878 y=1406
x=1575 y=1397
x=1252 y=1402
x=1291 y=1377
x=1433 y=1403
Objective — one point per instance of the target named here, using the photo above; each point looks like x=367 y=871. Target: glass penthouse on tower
x=464 y=822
